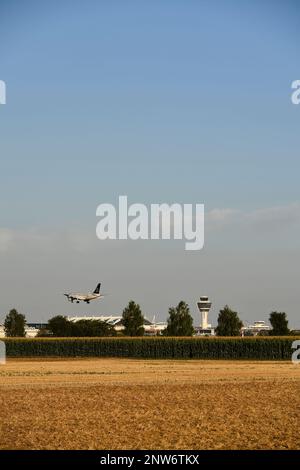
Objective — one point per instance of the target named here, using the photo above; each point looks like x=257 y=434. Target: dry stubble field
x=147 y=404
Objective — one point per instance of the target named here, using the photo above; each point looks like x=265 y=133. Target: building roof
x=110 y=319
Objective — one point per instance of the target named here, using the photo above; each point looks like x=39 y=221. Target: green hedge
x=261 y=348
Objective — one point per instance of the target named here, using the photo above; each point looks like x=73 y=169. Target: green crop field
x=258 y=348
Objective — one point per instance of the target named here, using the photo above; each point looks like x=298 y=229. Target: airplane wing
x=71 y=298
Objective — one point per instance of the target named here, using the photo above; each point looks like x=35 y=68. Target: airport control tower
x=204 y=306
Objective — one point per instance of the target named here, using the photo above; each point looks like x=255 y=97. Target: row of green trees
x=60 y=326
x=180 y=323
x=229 y=323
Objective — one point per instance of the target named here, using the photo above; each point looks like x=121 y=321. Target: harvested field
x=147 y=404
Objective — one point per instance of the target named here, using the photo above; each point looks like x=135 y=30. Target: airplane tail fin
x=97 y=290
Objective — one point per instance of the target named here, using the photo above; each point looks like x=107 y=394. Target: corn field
x=261 y=348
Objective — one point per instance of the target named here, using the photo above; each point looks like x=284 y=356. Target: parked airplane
x=85 y=297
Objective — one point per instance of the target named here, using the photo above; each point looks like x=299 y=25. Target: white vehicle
x=85 y=297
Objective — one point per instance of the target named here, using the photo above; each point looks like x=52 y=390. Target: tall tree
x=92 y=328
x=229 y=323
x=14 y=323
x=279 y=324
x=59 y=326
x=180 y=322
x=133 y=320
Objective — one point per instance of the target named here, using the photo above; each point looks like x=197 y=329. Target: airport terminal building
x=151 y=328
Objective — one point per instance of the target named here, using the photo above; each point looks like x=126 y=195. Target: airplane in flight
x=85 y=297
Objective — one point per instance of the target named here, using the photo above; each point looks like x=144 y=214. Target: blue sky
x=165 y=101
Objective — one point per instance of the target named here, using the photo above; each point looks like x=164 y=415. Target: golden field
x=149 y=404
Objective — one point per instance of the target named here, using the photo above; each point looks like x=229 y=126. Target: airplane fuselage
x=78 y=297
x=84 y=297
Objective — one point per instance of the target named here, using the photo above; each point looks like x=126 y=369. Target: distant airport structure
x=151 y=328
x=205 y=328
x=258 y=327
x=31 y=329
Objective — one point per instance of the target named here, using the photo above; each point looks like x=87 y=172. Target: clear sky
x=164 y=101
